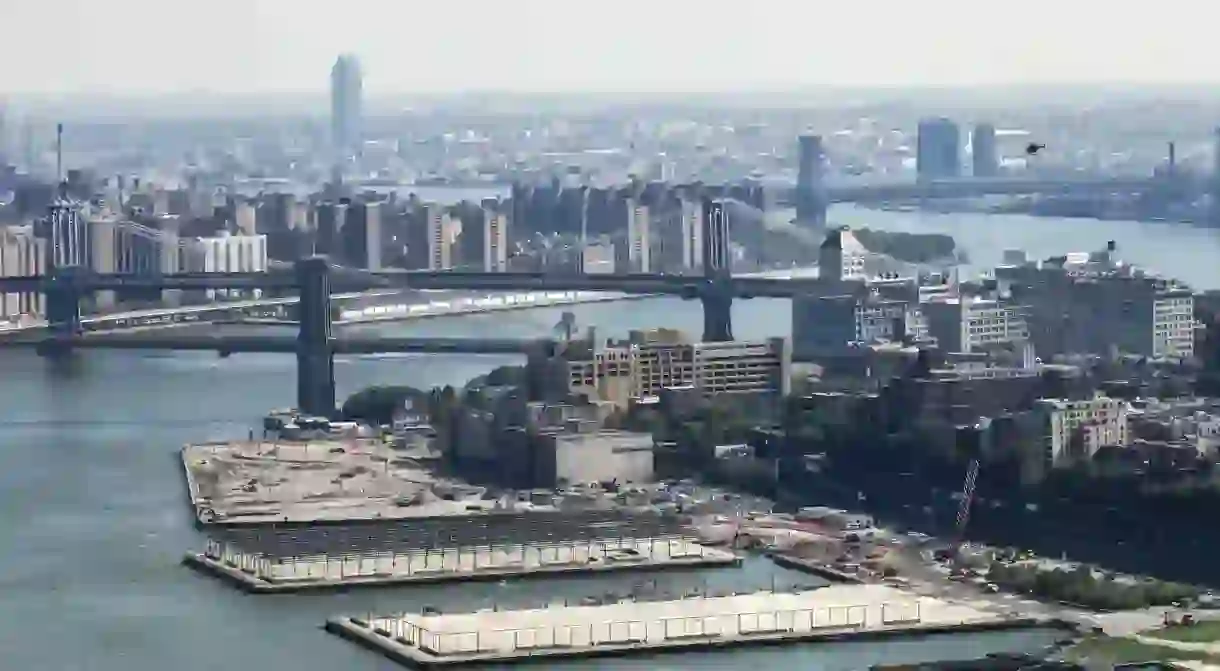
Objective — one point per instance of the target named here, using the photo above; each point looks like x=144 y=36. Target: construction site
x=263 y=481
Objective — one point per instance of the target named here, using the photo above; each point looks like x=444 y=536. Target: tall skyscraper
x=938 y=149
x=810 y=196
x=983 y=157
x=346 y=105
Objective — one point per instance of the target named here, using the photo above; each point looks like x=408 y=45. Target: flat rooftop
x=287 y=574
x=318 y=480
x=486 y=530
x=640 y=625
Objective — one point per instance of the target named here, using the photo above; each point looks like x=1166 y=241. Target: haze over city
x=864 y=320
x=265 y=46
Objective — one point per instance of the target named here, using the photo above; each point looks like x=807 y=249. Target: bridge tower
x=315 y=353
x=811 y=201
x=65 y=258
x=717 y=293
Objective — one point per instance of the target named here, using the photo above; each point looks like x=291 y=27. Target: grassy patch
x=1129 y=651
x=1203 y=631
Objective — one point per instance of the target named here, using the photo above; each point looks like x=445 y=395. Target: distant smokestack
x=1173 y=157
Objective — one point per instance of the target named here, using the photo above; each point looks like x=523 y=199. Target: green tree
x=645 y=420
x=377 y=404
x=506 y=376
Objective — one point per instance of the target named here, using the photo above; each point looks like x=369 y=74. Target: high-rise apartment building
x=226 y=253
x=692 y=226
x=360 y=238
x=810 y=195
x=938 y=149
x=104 y=253
x=245 y=217
x=984 y=158
x=439 y=240
x=329 y=219
x=495 y=236
x=639 y=236
x=21 y=255
x=346 y=105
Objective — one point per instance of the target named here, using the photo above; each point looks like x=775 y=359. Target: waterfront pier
x=639 y=626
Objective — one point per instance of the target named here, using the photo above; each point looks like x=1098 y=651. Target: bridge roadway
x=229 y=344
x=213 y=311
x=970 y=187
x=347 y=280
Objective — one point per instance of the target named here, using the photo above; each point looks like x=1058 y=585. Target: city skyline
x=540 y=45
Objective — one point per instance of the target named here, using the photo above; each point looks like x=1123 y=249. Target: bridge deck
x=286 y=344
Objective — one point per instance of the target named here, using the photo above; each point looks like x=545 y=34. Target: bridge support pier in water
x=63 y=313
x=315 y=350
x=717 y=299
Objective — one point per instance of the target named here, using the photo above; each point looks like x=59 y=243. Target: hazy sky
x=407 y=46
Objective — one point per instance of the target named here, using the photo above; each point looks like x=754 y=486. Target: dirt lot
x=332 y=479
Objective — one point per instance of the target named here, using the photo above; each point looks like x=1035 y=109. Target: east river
x=93 y=518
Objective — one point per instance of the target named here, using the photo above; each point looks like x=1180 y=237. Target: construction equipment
x=963 y=510
x=1177 y=618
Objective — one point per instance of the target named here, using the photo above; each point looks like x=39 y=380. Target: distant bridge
x=971 y=187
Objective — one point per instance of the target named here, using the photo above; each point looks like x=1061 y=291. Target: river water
x=93 y=520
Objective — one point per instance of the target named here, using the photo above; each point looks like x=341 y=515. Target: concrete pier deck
x=834 y=613
x=264 y=575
